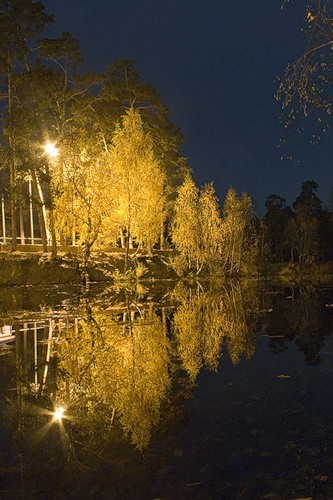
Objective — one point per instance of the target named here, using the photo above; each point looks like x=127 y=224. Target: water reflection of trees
x=119 y=365
x=111 y=367
x=298 y=315
x=126 y=365
x=207 y=319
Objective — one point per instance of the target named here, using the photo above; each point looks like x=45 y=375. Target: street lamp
x=51 y=150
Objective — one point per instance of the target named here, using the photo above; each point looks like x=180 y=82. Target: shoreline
x=32 y=268
x=36 y=268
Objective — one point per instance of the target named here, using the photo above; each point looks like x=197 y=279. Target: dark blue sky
x=215 y=64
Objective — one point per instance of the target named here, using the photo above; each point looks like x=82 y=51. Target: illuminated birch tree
x=197 y=225
x=138 y=182
x=65 y=105
x=122 y=89
x=185 y=224
x=238 y=217
x=82 y=181
x=210 y=221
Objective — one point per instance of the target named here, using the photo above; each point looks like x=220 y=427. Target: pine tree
x=21 y=25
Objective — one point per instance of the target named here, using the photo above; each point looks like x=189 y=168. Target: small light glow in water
x=59 y=413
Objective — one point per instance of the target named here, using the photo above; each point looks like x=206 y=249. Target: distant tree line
x=301 y=233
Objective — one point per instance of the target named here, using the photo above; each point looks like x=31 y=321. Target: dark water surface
x=208 y=391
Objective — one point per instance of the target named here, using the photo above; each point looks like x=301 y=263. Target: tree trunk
x=127 y=249
x=53 y=233
x=122 y=238
x=40 y=214
x=22 y=232
x=130 y=241
x=12 y=159
x=13 y=204
x=162 y=240
x=51 y=213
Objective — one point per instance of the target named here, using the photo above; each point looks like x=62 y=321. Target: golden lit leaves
x=198 y=328
x=82 y=185
x=211 y=225
x=305 y=88
x=237 y=229
x=138 y=181
x=310 y=17
x=112 y=366
x=145 y=380
x=185 y=227
x=205 y=319
x=205 y=237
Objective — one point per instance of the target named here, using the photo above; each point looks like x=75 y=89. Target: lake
x=208 y=390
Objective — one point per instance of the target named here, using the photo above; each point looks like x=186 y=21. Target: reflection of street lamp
x=59 y=413
x=3 y=217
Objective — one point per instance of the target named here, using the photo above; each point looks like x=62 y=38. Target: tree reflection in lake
x=299 y=317
x=115 y=366
x=206 y=319
x=124 y=368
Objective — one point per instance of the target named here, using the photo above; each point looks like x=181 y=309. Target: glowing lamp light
x=59 y=413
x=51 y=150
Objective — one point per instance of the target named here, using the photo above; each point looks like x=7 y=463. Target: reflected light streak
x=40 y=434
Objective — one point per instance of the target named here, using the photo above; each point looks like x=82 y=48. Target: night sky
x=215 y=65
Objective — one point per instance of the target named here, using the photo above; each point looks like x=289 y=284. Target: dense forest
x=92 y=160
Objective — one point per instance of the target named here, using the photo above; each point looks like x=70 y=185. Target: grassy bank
x=18 y=268
x=28 y=268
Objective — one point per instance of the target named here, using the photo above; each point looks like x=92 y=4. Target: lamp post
x=52 y=152
x=31 y=213
x=3 y=216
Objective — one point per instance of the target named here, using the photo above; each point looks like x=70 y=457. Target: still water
x=201 y=391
